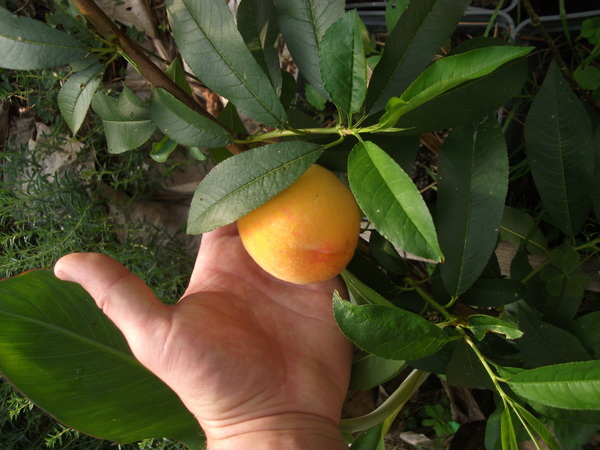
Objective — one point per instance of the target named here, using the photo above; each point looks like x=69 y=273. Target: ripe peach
x=308 y=232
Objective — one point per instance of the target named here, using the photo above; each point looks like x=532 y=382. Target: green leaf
x=508 y=436
x=472 y=186
x=343 y=63
x=246 y=181
x=176 y=72
x=587 y=330
x=393 y=11
x=63 y=353
x=480 y=324
x=574 y=385
x=466 y=370
x=361 y=293
x=391 y=201
x=212 y=46
x=369 y=371
x=538 y=427
x=27 y=44
x=560 y=153
x=182 y=124
x=446 y=74
x=163 y=149
x=303 y=24
x=126 y=120
x=372 y=439
x=419 y=33
x=388 y=332
x=519 y=228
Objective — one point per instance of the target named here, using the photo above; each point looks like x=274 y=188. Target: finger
x=121 y=295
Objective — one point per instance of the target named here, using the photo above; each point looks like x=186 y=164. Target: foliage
x=529 y=334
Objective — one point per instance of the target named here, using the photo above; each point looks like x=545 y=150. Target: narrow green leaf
x=369 y=371
x=63 y=353
x=390 y=333
x=574 y=385
x=212 y=46
x=538 y=428
x=27 y=44
x=372 y=439
x=182 y=124
x=177 y=73
x=518 y=227
x=391 y=201
x=246 y=181
x=446 y=74
x=361 y=293
x=560 y=152
x=472 y=186
x=480 y=324
x=303 y=24
x=508 y=436
x=343 y=63
x=419 y=33
x=393 y=11
x=75 y=95
x=126 y=120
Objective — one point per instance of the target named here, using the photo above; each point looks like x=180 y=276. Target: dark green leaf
x=558 y=141
x=27 y=44
x=343 y=63
x=75 y=95
x=212 y=46
x=472 y=186
x=386 y=254
x=480 y=324
x=587 y=330
x=369 y=371
x=391 y=201
x=519 y=228
x=182 y=124
x=388 y=332
x=466 y=370
x=62 y=352
x=176 y=72
x=494 y=292
x=361 y=293
x=393 y=11
x=372 y=439
x=245 y=181
x=573 y=385
x=419 y=33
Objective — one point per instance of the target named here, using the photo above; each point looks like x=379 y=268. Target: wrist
x=283 y=432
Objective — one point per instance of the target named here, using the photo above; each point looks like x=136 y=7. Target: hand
x=261 y=363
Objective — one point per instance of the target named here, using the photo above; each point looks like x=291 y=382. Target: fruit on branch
x=308 y=232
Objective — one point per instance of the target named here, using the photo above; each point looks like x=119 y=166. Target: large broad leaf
x=246 y=181
x=419 y=33
x=212 y=46
x=573 y=385
x=63 y=353
x=126 y=120
x=303 y=24
x=388 y=332
x=447 y=74
x=472 y=186
x=343 y=63
x=182 y=124
x=75 y=96
x=560 y=152
x=27 y=44
x=369 y=371
x=391 y=201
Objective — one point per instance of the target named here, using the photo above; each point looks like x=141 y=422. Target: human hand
x=261 y=363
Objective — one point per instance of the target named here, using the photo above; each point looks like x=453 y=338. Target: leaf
x=393 y=11
x=507 y=431
x=303 y=24
x=126 y=120
x=27 y=44
x=63 y=353
x=419 y=33
x=538 y=427
x=446 y=74
x=361 y=293
x=245 y=181
x=163 y=149
x=388 y=332
x=372 y=439
x=466 y=370
x=472 y=186
x=574 y=385
x=343 y=63
x=480 y=324
x=518 y=227
x=75 y=95
x=369 y=371
x=587 y=330
x=391 y=201
x=560 y=153
x=182 y=124
x=212 y=46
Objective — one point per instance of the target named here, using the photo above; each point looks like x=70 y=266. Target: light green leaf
x=480 y=324
x=343 y=63
x=388 y=332
x=126 y=120
x=472 y=186
x=391 y=201
x=163 y=149
x=27 y=44
x=245 y=181
x=538 y=427
x=182 y=124
x=508 y=436
x=560 y=152
x=393 y=11
x=75 y=95
x=64 y=354
x=574 y=385
x=303 y=24
x=212 y=46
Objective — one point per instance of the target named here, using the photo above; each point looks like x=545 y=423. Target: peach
x=308 y=232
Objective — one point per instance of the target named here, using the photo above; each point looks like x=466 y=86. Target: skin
x=260 y=362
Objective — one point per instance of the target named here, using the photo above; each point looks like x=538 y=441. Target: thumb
x=121 y=295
